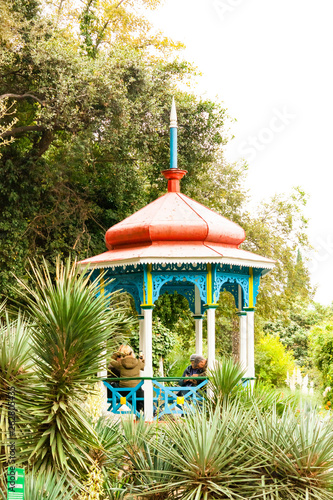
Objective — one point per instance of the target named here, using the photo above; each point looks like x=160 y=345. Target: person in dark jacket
x=195 y=369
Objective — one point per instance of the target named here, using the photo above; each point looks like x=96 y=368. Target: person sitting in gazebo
x=129 y=366
x=197 y=368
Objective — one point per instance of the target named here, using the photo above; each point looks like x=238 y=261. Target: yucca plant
x=110 y=453
x=225 y=380
x=16 y=376
x=206 y=455
x=39 y=486
x=118 y=488
x=137 y=432
x=142 y=466
x=298 y=453
x=264 y=398
x=72 y=331
x=148 y=468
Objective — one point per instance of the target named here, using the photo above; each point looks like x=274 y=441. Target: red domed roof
x=174 y=217
x=175 y=228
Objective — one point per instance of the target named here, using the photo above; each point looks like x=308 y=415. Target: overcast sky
x=271 y=64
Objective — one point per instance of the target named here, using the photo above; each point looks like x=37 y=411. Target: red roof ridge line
x=155 y=214
x=207 y=226
x=213 y=249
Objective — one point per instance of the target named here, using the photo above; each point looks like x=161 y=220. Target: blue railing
x=167 y=400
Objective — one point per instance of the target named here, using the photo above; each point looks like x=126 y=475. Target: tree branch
x=45 y=142
x=20 y=130
x=22 y=96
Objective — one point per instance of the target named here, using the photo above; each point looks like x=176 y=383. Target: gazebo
x=177 y=244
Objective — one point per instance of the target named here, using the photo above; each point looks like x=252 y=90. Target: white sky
x=271 y=64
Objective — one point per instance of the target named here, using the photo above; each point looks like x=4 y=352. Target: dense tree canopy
x=89 y=89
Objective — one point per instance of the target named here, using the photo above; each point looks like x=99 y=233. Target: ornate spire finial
x=173 y=174
x=173 y=115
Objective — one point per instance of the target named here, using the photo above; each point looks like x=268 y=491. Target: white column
x=198 y=333
x=148 y=353
x=211 y=336
x=242 y=339
x=104 y=374
x=142 y=346
x=250 y=342
x=198 y=321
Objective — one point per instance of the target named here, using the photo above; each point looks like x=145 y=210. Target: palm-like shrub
x=16 y=376
x=72 y=331
x=225 y=380
x=110 y=453
x=207 y=455
x=264 y=398
x=225 y=383
x=39 y=486
x=298 y=454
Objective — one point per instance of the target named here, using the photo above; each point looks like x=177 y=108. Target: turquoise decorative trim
x=222 y=278
x=180 y=277
x=130 y=283
x=256 y=284
x=198 y=279
x=181 y=266
x=129 y=393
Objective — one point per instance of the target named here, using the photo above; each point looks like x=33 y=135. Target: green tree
x=90 y=140
x=272 y=361
x=321 y=343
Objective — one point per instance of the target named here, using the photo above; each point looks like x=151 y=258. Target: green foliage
x=297 y=453
x=225 y=380
x=15 y=374
x=48 y=487
x=163 y=341
x=236 y=453
x=294 y=331
x=321 y=342
x=169 y=308
x=226 y=324
x=71 y=332
x=272 y=361
x=293 y=337
x=206 y=455
x=278 y=231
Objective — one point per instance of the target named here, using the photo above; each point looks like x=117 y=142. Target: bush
x=272 y=360
x=321 y=341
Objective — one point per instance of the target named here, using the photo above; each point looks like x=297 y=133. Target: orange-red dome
x=174 y=217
